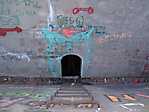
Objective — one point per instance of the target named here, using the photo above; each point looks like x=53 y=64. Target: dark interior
x=71 y=66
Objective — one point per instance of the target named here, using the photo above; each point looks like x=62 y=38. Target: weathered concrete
x=123 y=51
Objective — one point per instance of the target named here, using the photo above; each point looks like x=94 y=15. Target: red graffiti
x=4 y=31
x=89 y=10
x=68 y=32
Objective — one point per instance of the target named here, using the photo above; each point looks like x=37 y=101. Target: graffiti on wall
x=77 y=22
x=12 y=15
x=77 y=10
x=32 y=3
x=4 y=31
x=7 y=6
x=118 y=35
x=15 y=56
x=113 y=36
x=65 y=21
x=7 y=21
x=65 y=32
x=55 y=38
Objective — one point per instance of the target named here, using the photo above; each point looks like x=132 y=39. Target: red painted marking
x=145 y=96
x=68 y=32
x=90 y=10
x=136 y=81
x=4 y=31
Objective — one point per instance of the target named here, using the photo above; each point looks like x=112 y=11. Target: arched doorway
x=71 y=66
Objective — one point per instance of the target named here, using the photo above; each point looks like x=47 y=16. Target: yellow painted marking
x=113 y=98
x=127 y=97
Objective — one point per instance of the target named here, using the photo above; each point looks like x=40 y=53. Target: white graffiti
x=118 y=35
x=21 y=56
x=113 y=36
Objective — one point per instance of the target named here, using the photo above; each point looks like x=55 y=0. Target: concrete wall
x=118 y=45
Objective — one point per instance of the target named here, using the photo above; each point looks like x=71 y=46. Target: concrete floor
x=32 y=99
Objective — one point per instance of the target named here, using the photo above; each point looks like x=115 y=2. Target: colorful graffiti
x=63 y=29
x=77 y=23
x=67 y=32
x=56 y=38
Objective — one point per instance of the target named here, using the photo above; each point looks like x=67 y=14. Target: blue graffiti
x=54 y=38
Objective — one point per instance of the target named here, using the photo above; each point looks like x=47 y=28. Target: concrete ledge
x=92 y=80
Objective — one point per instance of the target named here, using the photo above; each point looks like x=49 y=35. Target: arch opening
x=71 y=66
